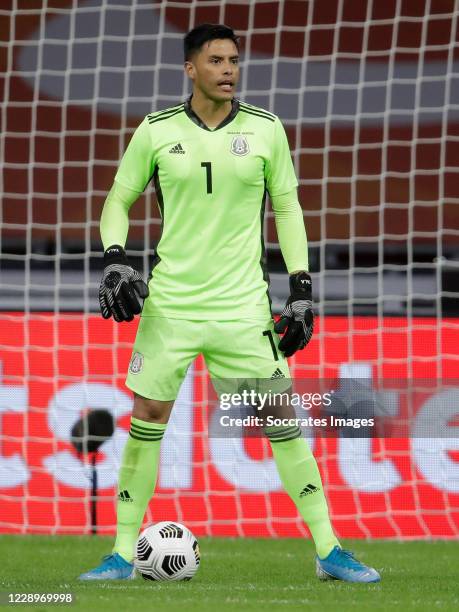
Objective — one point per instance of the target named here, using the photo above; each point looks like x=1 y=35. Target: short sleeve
x=279 y=172
x=138 y=163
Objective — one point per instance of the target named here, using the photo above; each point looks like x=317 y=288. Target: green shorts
x=165 y=348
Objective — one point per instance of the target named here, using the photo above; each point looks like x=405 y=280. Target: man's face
x=214 y=69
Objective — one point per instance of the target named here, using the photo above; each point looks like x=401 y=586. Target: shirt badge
x=239 y=146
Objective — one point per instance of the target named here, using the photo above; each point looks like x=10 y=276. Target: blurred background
x=368 y=92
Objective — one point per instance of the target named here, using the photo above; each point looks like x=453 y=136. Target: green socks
x=136 y=482
x=300 y=476
x=295 y=462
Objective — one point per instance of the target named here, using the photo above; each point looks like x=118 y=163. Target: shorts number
x=208 y=167
x=271 y=342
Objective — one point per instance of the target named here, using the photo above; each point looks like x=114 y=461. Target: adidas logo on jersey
x=308 y=490
x=277 y=374
x=177 y=149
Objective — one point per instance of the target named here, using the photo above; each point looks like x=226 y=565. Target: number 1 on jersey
x=208 y=167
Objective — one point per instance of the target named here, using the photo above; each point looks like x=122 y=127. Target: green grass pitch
x=238 y=574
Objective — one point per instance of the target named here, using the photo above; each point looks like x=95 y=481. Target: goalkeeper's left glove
x=297 y=318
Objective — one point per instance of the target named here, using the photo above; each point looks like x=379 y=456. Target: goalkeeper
x=212 y=158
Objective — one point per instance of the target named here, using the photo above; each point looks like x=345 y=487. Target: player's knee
x=153 y=411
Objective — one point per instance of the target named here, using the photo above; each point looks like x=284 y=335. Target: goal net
x=369 y=95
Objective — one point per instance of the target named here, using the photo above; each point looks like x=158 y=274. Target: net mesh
x=369 y=95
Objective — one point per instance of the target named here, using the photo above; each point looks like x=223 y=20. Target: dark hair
x=205 y=32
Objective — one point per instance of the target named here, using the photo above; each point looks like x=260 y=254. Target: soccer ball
x=167 y=551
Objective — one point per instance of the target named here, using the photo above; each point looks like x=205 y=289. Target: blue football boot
x=113 y=567
x=342 y=565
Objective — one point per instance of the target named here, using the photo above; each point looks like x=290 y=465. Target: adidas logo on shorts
x=277 y=374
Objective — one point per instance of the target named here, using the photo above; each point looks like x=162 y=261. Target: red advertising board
x=54 y=367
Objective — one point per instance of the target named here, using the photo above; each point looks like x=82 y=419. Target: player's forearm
x=114 y=222
x=291 y=232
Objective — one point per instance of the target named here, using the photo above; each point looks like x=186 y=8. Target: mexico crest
x=239 y=145
x=136 y=364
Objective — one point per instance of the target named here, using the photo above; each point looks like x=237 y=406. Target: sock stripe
x=145 y=439
x=148 y=430
x=283 y=440
x=279 y=432
x=151 y=432
x=146 y=425
x=283 y=435
x=144 y=432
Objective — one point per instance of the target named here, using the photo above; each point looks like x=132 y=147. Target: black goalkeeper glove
x=120 y=286
x=297 y=318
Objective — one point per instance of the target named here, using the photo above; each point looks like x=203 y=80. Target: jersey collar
x=196 y=119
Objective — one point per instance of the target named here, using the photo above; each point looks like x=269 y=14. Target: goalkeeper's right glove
x=120 y=286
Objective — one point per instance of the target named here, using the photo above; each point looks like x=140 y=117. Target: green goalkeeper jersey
x=211 y=187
